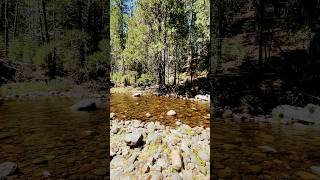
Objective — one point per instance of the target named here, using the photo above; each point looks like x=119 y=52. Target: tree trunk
x=191 y=45
x=108 y=58
x=259 y=18
x=43 y=39
x=6 y=29
x=44 y=12
x=15 y=19
x=212 y=67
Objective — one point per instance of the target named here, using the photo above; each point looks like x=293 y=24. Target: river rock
x=157 y=176
x=310 y=114
x=133 y=139
x=86 y=105
x=148 y=115
x=7 y=168
x=315 y=170
x=202 y=97
x=203 y=155
x=227 y=114
x=117 y=161
x=112 y=115
x=46 y=174
x=187 y=175
x=136 y=95
x=176 y=159
x=176 y=176
x=267 y=149
x=171 y=113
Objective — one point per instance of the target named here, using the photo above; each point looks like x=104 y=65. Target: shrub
x=145 y=79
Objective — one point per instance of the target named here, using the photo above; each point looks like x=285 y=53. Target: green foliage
x=98 y=59
x=21 y=49
x=27 y=87
x=145 y=79
x=233 y=50
x=129 y=78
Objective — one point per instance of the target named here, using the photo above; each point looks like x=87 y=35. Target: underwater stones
x=136 y=94
x=267 y=149
x=315 y=170
x=7 y=168
x=148 y=115
x=112 y=115
x=171 y=113
x=86 y=105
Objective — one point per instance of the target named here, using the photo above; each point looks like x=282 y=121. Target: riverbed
x=45 y=136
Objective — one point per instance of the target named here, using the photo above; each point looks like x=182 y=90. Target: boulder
x=86 y=105
x=287 y=114
x=7 y=168
x=315 y=170
x=133 y=139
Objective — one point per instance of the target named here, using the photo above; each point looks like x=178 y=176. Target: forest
x=62 y=38
x=159 y=42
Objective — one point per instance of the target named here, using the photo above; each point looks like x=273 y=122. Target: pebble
x=171 y=113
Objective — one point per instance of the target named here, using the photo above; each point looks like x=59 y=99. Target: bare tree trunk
x=259 y=18
x=212 y=67
x=191 y=45
x=175 y=67
x=44 y=11
x=15 y=19
x=6 y=33
x=43 y=39
x=108 y=50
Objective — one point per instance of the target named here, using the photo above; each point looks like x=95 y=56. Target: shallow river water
x=45 y=135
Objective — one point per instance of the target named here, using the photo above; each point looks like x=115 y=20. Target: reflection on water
x=192 y=113
x=236 y=151
x=45 y=135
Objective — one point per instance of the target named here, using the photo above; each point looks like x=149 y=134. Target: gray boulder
x=133 y=139
x=86 y=105
x=287 y=114
x=7 y=168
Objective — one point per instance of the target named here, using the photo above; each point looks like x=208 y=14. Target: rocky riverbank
x=144 y=150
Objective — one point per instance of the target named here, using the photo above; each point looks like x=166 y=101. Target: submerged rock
x=112 y=115
x=86 y=105
x=267 y=149
x=315 y=170
x=136 y=95
x=171 y=113
x=7 y=168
